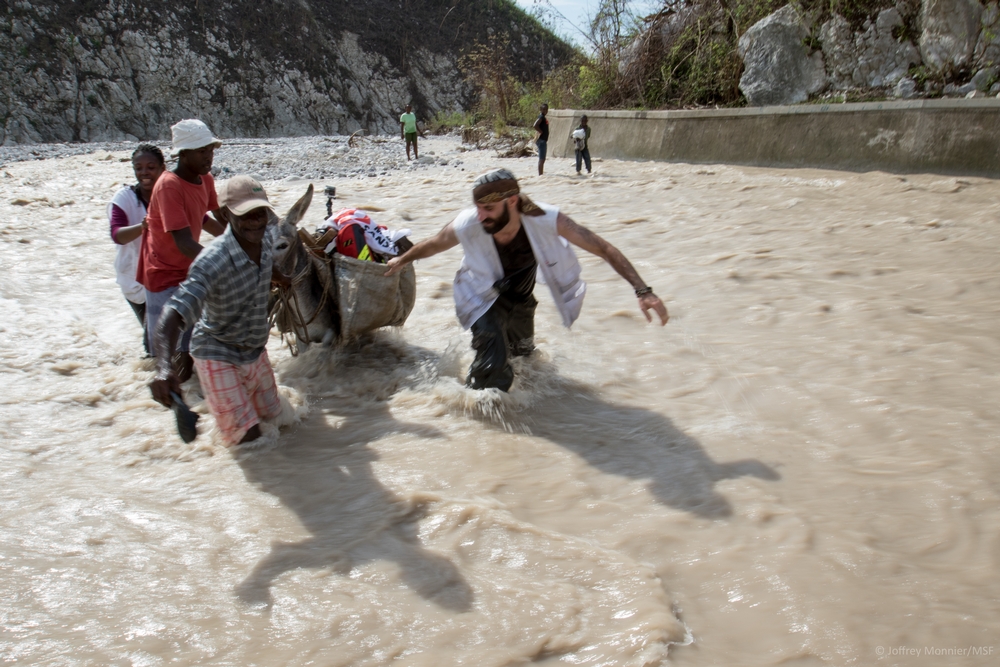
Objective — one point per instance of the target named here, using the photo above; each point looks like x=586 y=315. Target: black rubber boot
x=507 y=329
x=490 y=369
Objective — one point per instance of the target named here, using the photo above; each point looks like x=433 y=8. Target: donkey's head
x=288 y=247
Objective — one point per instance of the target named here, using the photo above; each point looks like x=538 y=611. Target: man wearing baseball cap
x=508 y=239
x=178 y=208
x=225 y=298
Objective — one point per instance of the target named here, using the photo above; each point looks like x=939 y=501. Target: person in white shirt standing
x=507 y=239
x=127 y=218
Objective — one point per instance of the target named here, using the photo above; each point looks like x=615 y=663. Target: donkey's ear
x=296 y=212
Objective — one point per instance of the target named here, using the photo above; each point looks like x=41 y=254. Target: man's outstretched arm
x=582 y=237
x=443 y=240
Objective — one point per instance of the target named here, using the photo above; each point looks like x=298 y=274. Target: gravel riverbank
x=321 y=157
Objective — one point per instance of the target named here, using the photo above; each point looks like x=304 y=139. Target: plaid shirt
x=226 y=294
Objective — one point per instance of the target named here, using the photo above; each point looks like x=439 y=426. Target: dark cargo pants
x=506 y=330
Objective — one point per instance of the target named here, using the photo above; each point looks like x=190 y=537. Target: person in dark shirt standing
x=581 y=136
x=542 y=137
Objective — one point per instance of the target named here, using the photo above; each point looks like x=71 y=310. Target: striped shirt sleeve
x=189 y=299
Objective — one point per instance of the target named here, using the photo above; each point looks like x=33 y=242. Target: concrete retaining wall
x=959 y=137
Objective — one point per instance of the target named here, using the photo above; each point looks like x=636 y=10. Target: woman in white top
x=127 y=217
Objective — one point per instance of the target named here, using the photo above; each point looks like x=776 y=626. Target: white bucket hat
x=189 y=134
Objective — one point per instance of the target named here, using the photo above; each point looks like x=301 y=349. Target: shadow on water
x=324 y=474
x=636 y=443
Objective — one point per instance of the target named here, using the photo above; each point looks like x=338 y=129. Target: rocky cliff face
x=956 y=52
x=93 y=70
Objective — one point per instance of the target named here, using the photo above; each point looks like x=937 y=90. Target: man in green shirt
x=408 y=128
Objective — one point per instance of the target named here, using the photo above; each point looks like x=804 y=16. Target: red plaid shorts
x=239 y=396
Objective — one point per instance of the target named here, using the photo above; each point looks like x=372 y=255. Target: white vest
x=557 y=266
x=127 y=258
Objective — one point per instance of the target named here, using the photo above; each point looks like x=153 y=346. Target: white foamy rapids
x=798 y=469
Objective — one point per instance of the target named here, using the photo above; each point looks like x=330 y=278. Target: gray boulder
x=952 y=89
x=778 y=68
x=984 y=78
x=987 y=51
x=837 y=39
x=906 y=88
x=950 y=33
x=870 y=59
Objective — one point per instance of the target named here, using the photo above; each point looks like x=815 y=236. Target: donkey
x=315 y=293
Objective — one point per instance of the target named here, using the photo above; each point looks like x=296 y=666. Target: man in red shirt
x=177 y=213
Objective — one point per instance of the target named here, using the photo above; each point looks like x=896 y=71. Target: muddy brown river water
x=801 y=468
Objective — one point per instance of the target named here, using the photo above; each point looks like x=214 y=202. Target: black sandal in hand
x=187 y=420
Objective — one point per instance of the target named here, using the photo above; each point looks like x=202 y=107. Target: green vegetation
x=685 y=55
x=446 y=121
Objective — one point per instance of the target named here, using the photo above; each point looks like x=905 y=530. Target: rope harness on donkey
x=285 y=312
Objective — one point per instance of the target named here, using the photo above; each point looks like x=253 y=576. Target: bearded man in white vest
x=508 y=239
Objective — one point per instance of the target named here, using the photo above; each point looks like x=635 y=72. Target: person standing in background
x=127 y=217
x=178 y=211
x=542 y=136
x=408 y=130
x=581 y=136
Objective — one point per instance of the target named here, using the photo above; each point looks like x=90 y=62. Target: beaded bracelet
x=642 y=291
